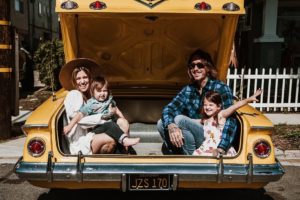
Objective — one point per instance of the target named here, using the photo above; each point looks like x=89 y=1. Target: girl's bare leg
x=124 y=125
x=130 y=141
x=102 y=143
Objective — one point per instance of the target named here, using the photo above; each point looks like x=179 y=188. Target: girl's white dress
x=212 y=135
x=79 y=138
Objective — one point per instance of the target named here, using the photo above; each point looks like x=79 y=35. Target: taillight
x=36 y=147
x=262 y=149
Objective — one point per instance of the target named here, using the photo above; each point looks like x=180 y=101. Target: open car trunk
x=143 y=52
x=144 y=55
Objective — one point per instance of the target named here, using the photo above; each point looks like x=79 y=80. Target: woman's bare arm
x=72 y=123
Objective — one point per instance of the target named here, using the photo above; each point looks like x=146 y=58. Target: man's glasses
x=199 y=65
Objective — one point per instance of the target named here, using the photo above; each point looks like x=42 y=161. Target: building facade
x=34 y=20
x=269 y=34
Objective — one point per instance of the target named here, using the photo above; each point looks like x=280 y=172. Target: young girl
x=214 y=119
x=111 y=117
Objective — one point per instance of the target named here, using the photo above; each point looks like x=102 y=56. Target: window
x=47 y=11
x=40 y=11
x=19 y=6
x=248 y=19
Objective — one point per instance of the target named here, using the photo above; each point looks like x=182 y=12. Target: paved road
x=12 y=188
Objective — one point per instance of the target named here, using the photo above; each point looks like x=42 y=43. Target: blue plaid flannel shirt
x=188 y=102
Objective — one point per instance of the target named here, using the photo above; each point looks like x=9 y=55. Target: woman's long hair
x=86 y=95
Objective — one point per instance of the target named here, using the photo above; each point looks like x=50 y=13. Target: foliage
x=293 y=134
x=286 y=137
x=49 y=58
x=288 y=131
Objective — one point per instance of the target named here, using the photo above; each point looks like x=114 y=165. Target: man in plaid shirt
x=181 y=133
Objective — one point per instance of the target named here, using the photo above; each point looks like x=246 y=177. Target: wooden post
x=5 y=70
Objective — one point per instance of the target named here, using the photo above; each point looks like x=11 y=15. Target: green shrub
x=49 y=58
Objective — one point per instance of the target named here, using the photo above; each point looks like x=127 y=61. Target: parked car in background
x=142 y=47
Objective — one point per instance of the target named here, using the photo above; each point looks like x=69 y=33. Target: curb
x=288 y=157
x=12 y=150
x=21 y=117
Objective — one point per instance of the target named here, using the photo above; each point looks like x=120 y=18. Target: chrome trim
x=250 y=168
x=175 y=182
x=35 y=126
x=79 y=167
x=250 y=114
x=280 y=165
x=124 y=182
x=231 y=7
x=49 y=171
x=220 y=169
x=112 y=172
x=17 y=163
x=150 y=4
x=262 y=127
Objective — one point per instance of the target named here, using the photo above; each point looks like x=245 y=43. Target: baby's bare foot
x=130 y=141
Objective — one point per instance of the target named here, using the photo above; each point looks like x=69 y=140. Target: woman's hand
x=175 y=135
x=67 y=129
x=112 y=109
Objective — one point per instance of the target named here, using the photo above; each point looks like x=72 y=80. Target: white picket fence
x=280 y=87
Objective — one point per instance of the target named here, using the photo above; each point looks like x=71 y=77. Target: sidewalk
x=11 y=150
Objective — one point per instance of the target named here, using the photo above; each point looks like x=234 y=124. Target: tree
x=49 y=58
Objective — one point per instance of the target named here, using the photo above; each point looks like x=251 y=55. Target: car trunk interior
x=150 y=143
x=144 y=57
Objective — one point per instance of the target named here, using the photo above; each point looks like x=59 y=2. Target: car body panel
x=143 y=51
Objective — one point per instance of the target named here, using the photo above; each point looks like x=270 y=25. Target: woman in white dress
x=79 y=138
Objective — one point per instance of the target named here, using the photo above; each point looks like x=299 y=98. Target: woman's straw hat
x=65 y=75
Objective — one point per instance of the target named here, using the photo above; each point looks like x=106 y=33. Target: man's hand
x=218 y=151
x=175 y=135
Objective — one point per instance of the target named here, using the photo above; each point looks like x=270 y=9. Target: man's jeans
x=192 y=132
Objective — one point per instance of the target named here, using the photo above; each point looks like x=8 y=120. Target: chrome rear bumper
x=181 y=172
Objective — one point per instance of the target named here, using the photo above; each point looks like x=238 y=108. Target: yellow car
x=142 y=47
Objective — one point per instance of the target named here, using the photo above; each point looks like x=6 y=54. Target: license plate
x=149 y=182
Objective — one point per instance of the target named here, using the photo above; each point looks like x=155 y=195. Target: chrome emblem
x=150 y=3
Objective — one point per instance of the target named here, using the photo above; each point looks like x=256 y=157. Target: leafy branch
x=49 y=58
